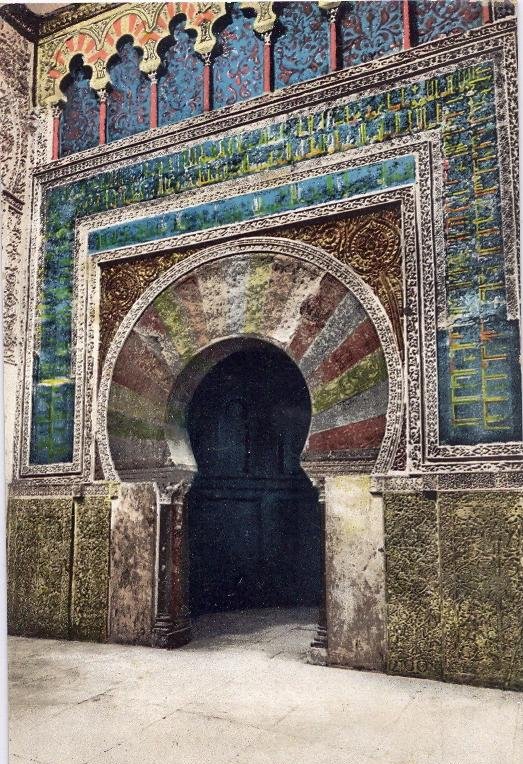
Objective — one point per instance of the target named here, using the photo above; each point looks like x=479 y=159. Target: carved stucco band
x=266 y=246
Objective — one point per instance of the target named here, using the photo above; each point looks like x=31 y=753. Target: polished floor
x=242 y=693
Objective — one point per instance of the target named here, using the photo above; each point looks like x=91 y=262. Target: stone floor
x=242 y=693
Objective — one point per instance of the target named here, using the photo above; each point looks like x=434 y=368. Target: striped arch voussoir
x=293 y=295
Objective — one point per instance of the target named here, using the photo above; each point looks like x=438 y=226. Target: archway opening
x=255 y=535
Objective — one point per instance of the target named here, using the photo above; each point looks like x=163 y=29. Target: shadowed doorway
x=254 y=528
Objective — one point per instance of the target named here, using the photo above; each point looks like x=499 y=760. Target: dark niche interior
x=254 y=526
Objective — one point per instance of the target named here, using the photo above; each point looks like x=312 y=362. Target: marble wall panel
x=355 y=574
x=132 y=566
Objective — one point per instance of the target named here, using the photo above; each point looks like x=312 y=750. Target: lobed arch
x=148 y=27
x=290 y=294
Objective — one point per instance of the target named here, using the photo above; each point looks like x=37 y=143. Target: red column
x=267 y=62
x=102 y=123
x=153 y=117
x=485 y=12
x=57 y=110
x=333 y=40
x=406 y=25
x=207 y=82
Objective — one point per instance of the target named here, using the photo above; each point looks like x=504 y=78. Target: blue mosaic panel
x=128 y=102
x=461 y=103
x=438 y=18
x=238 y=69
x=180 y=86
x=504 y=8
x=340 y=185
x=302 y=50
x=369 y=29
x=79 y=120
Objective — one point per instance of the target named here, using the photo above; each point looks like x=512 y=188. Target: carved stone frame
x=495 y=43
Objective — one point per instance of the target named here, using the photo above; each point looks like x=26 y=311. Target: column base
x=317 y=656
x=168 y=634
x=320 y=638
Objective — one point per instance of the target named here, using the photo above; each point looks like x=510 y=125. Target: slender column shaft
x=153 y=117
x=321 y=638
x=102 y=118
x=180 y=570
x=486 y=11
x=207 y=82
x=406 y=26
x=55 y=150
x=333 y=40
x=172 y=626
x=163 y=625
x=267 y=62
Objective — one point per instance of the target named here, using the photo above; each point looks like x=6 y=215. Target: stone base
x=317 y=656
x=168 y=635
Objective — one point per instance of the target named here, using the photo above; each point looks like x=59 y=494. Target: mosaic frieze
x=369 y=29
x=448 y=102
x=238 y=65
x=341 y=185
